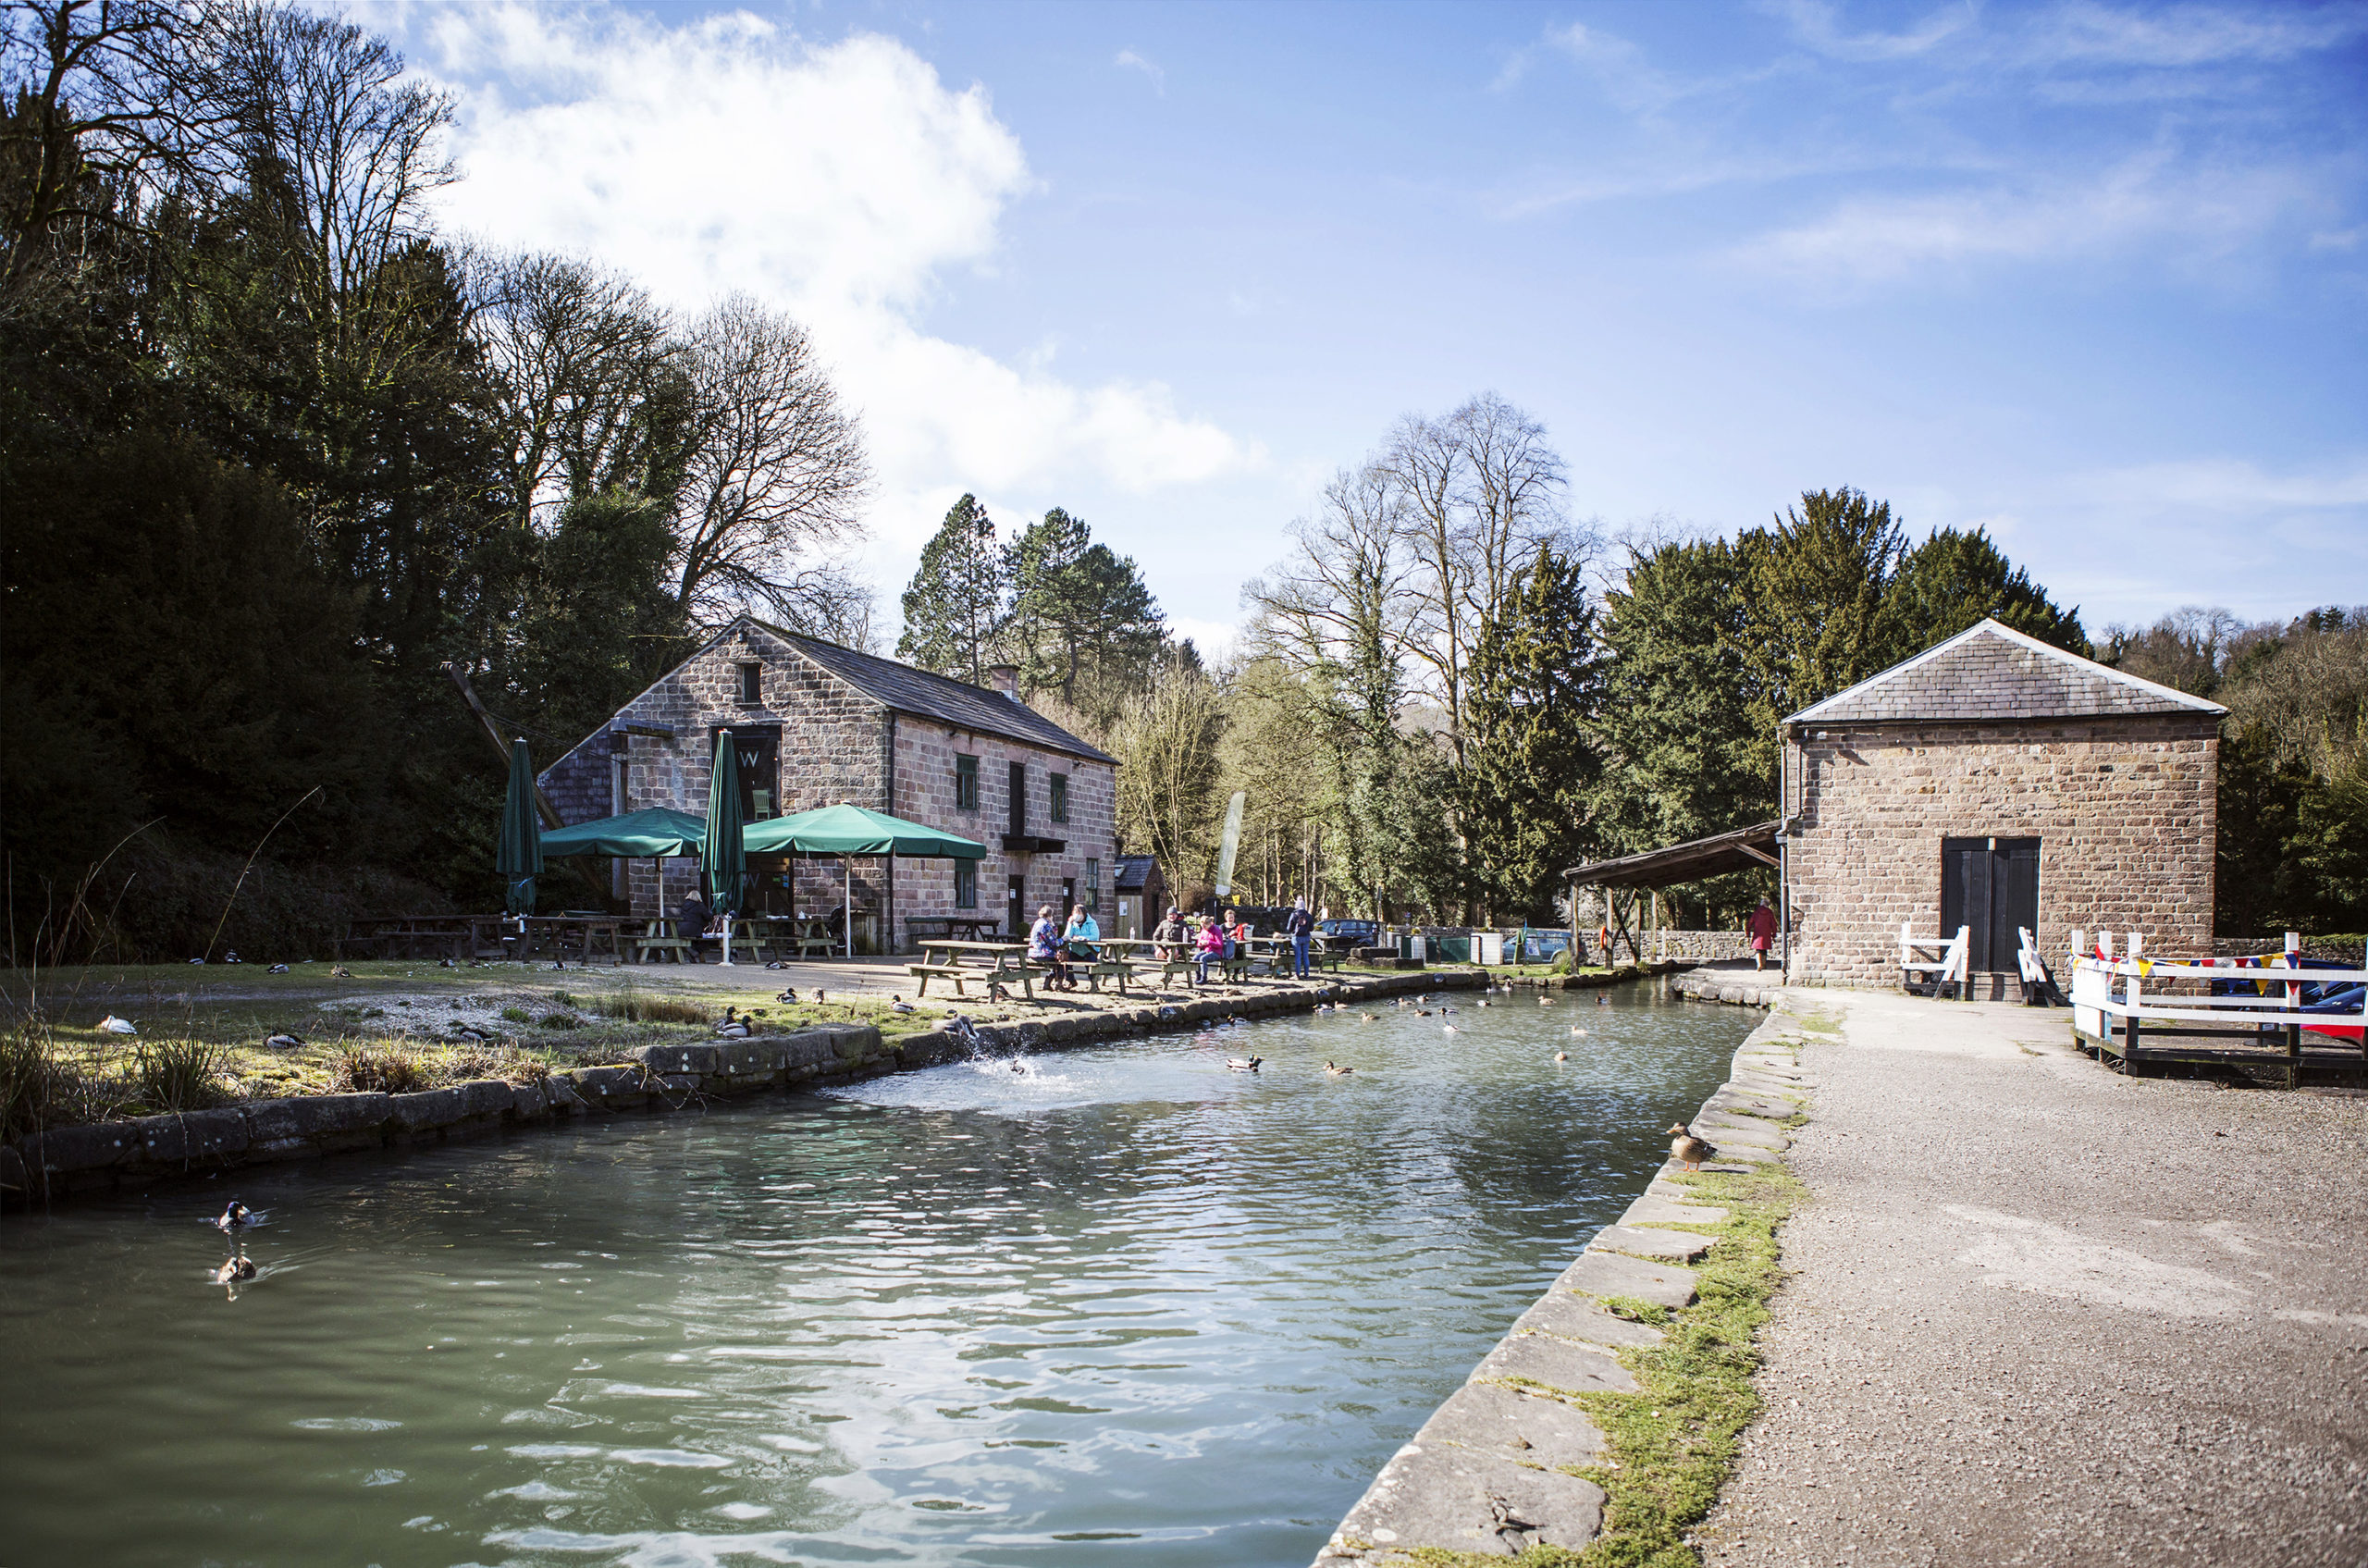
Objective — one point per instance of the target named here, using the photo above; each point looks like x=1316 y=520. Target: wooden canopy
x=1739 y=850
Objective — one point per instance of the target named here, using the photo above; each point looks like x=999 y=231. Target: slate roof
x=1129 y=872
x=1992 y=671
x=917 y=692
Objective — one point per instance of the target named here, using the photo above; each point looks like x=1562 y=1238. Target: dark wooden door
x=1019 y=797
x=1015 y=910
x=1989 y=885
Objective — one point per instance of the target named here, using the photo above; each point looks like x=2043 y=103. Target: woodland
x=274 y=452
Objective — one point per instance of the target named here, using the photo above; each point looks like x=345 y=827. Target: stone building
x=1995 y=782
x=816 y=724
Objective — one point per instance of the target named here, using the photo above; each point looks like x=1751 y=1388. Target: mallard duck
x=1449 y=1029
x=788 y=995
x=114 y=1025
x=1575 y=1029
x=237 y=1214
x=1369 y=1018
x=734 y=1027
x=1245 y=1064
x=1337 y=1070
x=1687 y=1149
x=899 y=1005
x=277 y=969
x=1561 y=1055
x=1544 y=1001
x=471 y=1033
x=337 y=971
x=234 y=1270
x=284 y=1040
x=1602 y=1001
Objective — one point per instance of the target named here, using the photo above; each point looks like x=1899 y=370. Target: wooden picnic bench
x=974 y=928
x=962 y=962
x=661 y=942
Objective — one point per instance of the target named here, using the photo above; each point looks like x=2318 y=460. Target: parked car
x=1344 y=935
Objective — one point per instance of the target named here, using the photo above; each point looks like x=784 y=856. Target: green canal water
x=1120 y=1307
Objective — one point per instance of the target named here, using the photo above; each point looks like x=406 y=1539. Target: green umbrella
x=723 y=859
x=852 y=829
x=520 y=858
x=654 y=833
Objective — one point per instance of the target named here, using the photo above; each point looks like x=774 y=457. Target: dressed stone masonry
x=844 y=726
x=1995 y=736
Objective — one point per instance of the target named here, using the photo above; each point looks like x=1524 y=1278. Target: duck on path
x=1688 y=1150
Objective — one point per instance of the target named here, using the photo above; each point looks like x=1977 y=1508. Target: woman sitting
x=1083 y=932
x=1211 y=950
x=1044 y=947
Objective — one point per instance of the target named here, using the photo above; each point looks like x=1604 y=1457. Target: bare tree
x=773 y=473
x=582 y=371
x=1166 y=745
x=1480 y=490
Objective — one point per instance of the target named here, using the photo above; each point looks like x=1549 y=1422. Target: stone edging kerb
x=1488 y=1473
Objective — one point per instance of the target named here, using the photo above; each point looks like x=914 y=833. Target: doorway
x=1015 y=910
x=1991 y=886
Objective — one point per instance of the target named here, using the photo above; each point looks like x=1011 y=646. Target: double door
x=1991 y=886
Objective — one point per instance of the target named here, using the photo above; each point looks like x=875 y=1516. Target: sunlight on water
x=1121 y=1300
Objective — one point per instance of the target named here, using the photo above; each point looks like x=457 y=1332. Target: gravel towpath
x=2042 y=1314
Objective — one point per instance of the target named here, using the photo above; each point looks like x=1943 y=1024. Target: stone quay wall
x=105 y=1156
x=2123 y=808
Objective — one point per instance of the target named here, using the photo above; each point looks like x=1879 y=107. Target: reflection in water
x=967 y=1315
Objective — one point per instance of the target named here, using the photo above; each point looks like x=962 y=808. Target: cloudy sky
x=2095 y=277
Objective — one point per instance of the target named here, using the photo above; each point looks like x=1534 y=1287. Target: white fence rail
x=2119 y=997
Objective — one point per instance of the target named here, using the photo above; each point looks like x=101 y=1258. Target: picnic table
x=557 y=936
x=961 y=962
x=800 y=936
x=454 y=936
x=974 y=928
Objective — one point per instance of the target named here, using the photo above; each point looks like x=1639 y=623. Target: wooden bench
x=1119 y=969
x=991 y=962
x=658 y=944
x=1928 y=966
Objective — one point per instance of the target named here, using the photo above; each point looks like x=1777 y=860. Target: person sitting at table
x=1212 y=948
x=1083 y=932
x=1173 y=936
x=698 y=925
x=1044 y=947
x=1236 y=935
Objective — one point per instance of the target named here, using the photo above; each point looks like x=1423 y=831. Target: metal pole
x=847 y=863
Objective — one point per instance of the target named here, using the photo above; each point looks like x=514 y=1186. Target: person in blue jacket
x=1300 y=926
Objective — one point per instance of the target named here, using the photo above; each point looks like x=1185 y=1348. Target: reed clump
x=180 y=1074
x=631 y=1003
x=380 y=1069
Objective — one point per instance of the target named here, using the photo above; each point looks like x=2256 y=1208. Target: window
x=1093 y=887
x=752 y=684
x=1019 y=799
x=1060 y=797
x=965 y=786
x=966 y=884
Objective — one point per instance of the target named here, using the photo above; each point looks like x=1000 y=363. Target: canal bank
x=2038 y=1311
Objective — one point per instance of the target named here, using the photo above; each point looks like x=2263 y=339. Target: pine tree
x=1082 y=622
x=954 y=605
x=1955 y=580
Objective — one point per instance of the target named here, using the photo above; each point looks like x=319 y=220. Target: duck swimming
x=1561 y=1055
x=236 y=1215
x=1337 y=1070
x=234 y=1270
x=1245 y=1064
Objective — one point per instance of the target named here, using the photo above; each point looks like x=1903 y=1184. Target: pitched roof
x=1132 y=872
x=909 y=690
x=1991 y=670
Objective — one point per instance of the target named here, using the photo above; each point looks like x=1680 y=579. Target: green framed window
x=966 y=784
x=1093 y=887
x=966 y=884
x=1060 y=797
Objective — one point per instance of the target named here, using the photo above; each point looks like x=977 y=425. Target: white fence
x=2267 y=991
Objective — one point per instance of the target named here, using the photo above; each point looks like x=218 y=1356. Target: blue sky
x=2095 y=277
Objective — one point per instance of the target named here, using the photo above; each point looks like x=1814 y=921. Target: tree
x=1955 y=580
x=1528 y=784
x=1168 y=769
x=1820 y=615
x=773 y=472
x=954 y=605
x=1081 y=622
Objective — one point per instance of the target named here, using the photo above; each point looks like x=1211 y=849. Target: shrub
x=361 y=1070
x=180 y=1074
x=560 y=1020
x=516 y=1015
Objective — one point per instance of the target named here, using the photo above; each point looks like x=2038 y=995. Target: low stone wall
x=1697 y=946
x=1748 y=988
x=1488 y=1473
x=66 y=1162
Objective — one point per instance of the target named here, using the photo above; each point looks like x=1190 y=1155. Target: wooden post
x=2293 y=1000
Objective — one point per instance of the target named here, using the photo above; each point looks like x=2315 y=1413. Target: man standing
x=1300 y=926
x=1762 y=927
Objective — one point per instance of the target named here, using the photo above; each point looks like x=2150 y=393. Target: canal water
x=1120 y=1304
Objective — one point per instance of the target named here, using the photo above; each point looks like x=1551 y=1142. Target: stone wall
x=926 y=753
x=2123 y=808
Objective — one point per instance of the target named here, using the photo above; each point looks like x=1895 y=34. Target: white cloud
x=2188 y=35
x=1130 y=60
x=843 y=183
x=1818 y=24
x=2206 y=211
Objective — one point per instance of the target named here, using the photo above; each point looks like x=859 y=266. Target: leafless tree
x=1341 y=599
x=773 y=473
x=1166 y=743
x=1480 y=490
x=581 y=363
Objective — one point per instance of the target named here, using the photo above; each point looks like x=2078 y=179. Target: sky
x=2093 y=277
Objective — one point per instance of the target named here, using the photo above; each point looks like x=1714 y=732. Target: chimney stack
x=1004 y=678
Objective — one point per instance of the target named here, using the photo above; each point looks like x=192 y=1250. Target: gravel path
x=2042 y=1314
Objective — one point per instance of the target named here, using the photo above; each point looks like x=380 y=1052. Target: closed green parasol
x=520 y=857
x=723 y=859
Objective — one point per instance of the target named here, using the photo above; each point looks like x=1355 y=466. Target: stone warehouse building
x=1995 y=782
x=816 y=724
